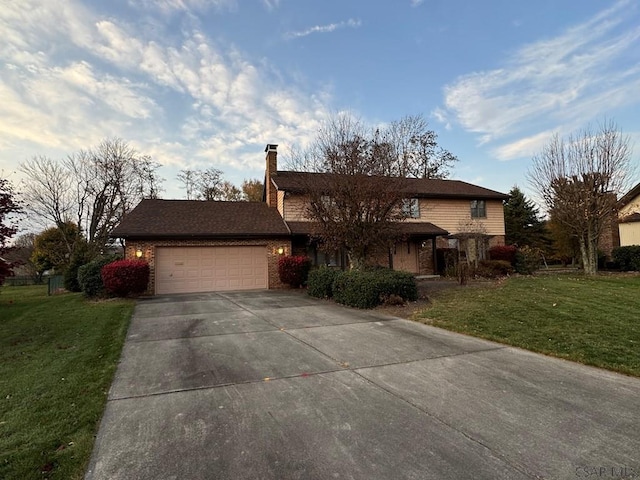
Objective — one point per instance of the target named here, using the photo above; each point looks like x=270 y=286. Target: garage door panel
x=205 y=269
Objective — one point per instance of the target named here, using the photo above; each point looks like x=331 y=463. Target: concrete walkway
x=275 y=385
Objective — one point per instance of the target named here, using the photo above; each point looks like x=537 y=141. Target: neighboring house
x=199 y=246
x=629 y=217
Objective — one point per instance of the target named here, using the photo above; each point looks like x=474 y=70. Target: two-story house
x=199 y=246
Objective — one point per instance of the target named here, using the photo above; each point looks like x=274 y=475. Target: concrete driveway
x=276 y=385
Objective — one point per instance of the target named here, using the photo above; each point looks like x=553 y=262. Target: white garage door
x=209 y=269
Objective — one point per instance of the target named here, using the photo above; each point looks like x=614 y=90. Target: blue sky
x=199 y=83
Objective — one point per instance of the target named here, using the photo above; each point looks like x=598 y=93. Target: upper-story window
x=478 y=209
x=411 y=207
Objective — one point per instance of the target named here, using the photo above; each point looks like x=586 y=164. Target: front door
x=405 y=257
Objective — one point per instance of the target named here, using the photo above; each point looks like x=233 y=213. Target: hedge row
x=627 y=258
x=362 y=288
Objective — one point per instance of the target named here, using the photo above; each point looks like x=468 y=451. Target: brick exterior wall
x=271 y=168
x=271 y=246
x=425 y=259
x=609 y=238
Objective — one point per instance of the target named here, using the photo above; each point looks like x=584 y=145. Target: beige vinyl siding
x=629 y=234
x=450 y=214
x=631 y=207
x=295 y=208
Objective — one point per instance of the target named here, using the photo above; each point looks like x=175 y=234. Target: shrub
x=320 y=282
x=294 y=270
x=79 y=257
x=506 y=253
x=627 y=258
x=493 y=268
x=527 y=260
x=125 y=277
x=367 y=289
x=89 y=277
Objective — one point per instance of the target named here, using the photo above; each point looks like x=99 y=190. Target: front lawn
x=58 y=355
x=595 y=321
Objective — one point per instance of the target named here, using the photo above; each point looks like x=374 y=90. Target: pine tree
x=522 y=221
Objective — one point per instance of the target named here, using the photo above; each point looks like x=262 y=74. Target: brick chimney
x=272 y=168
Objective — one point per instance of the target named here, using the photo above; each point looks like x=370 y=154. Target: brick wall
x=271 y=246
x=425 y=259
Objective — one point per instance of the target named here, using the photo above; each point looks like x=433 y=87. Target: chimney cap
x=271 y=147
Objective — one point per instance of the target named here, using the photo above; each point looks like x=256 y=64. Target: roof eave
x=197 y=236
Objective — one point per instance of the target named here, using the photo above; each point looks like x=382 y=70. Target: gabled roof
x=416 y=187
x=200 y=219
x=629 y=196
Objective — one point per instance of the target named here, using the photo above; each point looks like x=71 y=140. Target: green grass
x=595 y=321
x=58 y=355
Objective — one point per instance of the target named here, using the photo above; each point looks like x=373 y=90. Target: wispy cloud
x=331 y=27
x=181 y=98
x=168 y=6
x=416 y=3
x=570 y=79
x=271 y=4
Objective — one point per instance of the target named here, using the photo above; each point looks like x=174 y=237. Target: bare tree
x=49 y=190
x=579 y=179
x=473 y=239
x=210 y=184
x=230 y=193
x=252 y=190
x=24 y=247
x=417 y=148
x=91 y=188
x=357 y=203
x=189 y=179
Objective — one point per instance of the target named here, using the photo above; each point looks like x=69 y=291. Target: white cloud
x=183 y=99
x=524 y=147
x=331 y=27
x=416 y=3
x=570 y=79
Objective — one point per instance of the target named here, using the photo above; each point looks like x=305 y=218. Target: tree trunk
x=356 y=262
x=592 y=251
x=588 y=253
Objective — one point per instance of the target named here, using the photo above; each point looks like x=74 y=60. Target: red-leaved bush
x=506 y=253
x=293 y=270
x=125 y=277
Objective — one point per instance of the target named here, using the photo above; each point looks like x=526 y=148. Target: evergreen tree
x=522 y=221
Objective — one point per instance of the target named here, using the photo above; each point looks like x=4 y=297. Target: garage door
x=209 y=269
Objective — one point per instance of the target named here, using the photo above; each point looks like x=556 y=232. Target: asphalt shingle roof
x=201 y=219
x=405 y=228
x=415 y=187
x=629 y=196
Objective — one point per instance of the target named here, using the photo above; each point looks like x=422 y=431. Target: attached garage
x=196 y=246
x=208 y=269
